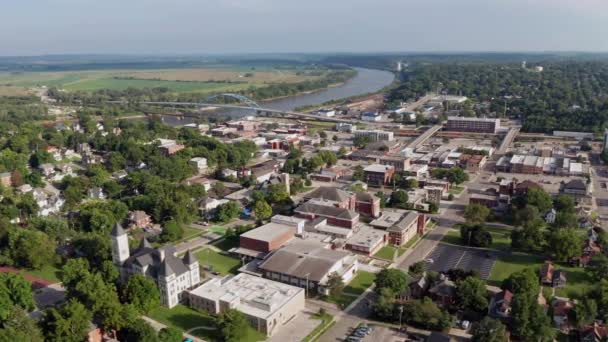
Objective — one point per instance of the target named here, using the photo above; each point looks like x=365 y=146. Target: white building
x=267 y=304
x=172 y=275
x=327 y=113
x=371 y=116
x=199 y=162
x=346 y=127
x=375 y=135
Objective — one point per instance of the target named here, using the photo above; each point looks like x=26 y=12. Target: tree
x=323 y=135
x=170 y=334
x=385 y=304
x=472 y=294
x=140 y=330
x=15 y=291
x=262 y=210
x=277 y=193
x=531 y=237
x=489 y=330
x=476 y=213
x=540 y=199
x=30 y=249
x=18 y=326
x=426 y=314
x=566 y=219
x=358 y=173
x=399 y=199
x=335 y=138
x=70 y=323
x=475 y=235
x=564 y=203
x=227 y=211
x=585 y=311
x=232 y=325
x=142 y=292
x=564 y=244
x=393 y=279
x=598 y=266
x=417 y=268
x=335 y=284
x=361 y=141
x=172 y=231
x=522 y=282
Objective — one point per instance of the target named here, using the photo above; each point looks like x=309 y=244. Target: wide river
x=366 y=81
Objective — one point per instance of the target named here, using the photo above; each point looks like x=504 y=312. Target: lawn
x=578 y=282
x=357 y=286
x=507 y=264
x=226 y=244
x=48 y=272
x=218 y=262
x=190 y=233
x=327 y=321
x=184 y=318
x=218 y=230
x=501 y=238
x=386 y=253
x=410 y=243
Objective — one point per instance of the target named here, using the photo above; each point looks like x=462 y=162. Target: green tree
x=227 y=211
x=142 y=293
x=335 y=284
x=277 y=193
x=489 y=330
x=564 y=244
x=172 y=231
x=531 y=237
x=385 y=304
x=393 y=279
x=232 y=325
x=140 y=330
x=585 y=311
x=18 y=326
x=566 y=219
x=475 y=235
x=417 y=268
x=540 y=199
x=30 y=249
x=15 y=291
x=70 y=323
x=472 y=294
x=399 y=199
x=262 y=210
x=170 y=334
x=476 y=213
x=598 y=266
x=358 y=173
x=564 y=203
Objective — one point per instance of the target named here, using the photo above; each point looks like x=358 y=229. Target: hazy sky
x=233 y=26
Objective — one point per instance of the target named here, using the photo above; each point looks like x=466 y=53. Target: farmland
x=191 y=80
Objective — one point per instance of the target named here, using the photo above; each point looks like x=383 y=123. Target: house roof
x=325 y=210
x=445 y=288
x=329 y=193
x=405 y=222
x=576 y=184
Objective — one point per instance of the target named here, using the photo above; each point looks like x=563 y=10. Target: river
x=366 y=81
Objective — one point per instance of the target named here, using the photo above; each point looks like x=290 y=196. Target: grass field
x=387 y=252
x=184 y=318
x=203 y=80
x=357 y=286
x=219 y=262
x=507 y=264
x=501 y=238
x=14 y=91
x=190 y=233
x=456 y=190
x=49 y=272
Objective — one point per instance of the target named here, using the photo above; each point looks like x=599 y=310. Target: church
x=173 y=275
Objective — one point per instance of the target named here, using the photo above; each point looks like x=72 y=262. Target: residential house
x=6 y=179
x=595 y=332
x=500 y=304
x=97 y=193
x=561 y=311
x=443 y=293
x=47 y=169
x=140 y=219
x=199 y=163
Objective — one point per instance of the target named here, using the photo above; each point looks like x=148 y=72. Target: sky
x=36 y=27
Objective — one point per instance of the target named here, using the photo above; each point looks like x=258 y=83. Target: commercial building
x=308 y=264
x=379 y=174
x=475 y=125
x=375 y=135
x=268 y=305
x=346 y=127
x=398 y=162
x=327 y=113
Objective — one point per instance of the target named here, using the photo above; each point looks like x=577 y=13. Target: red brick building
x=267 y=238
x=379 y=174
x=340 y=217
x=367 y=204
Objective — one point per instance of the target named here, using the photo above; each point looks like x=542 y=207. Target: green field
x=387 y=252
x=49 y=272
x=361 y=282
x=501 y=238
x=184 y=318
x=507 y=264
x=218 y=262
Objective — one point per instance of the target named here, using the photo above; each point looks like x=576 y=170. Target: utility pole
x=400 y=314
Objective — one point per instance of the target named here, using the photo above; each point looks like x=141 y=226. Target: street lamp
x=400 y=314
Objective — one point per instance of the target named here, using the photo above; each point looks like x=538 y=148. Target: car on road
x=430 y=260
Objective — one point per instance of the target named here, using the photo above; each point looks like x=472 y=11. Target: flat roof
x=387 y=219
x=377 y=168
x=268 y=232
x=367 y=237
x=251 y=295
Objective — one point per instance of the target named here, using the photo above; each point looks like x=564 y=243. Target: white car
x=430 y=260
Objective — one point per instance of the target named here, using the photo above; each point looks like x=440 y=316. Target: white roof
x=377 y=168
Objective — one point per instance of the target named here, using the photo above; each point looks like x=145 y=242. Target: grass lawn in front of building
x=356 y=287
x=501 y=238
x=218 y=262
x=456 y=190
x=387 y=252
x=578 y=282
x=184 y=318
x=508 y=264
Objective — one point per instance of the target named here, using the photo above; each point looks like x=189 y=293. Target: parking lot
x=446 y=257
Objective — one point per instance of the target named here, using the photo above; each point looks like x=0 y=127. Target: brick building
x=379 y=174
x=475 y=125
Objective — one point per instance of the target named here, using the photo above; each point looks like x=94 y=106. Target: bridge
x=249 y=105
